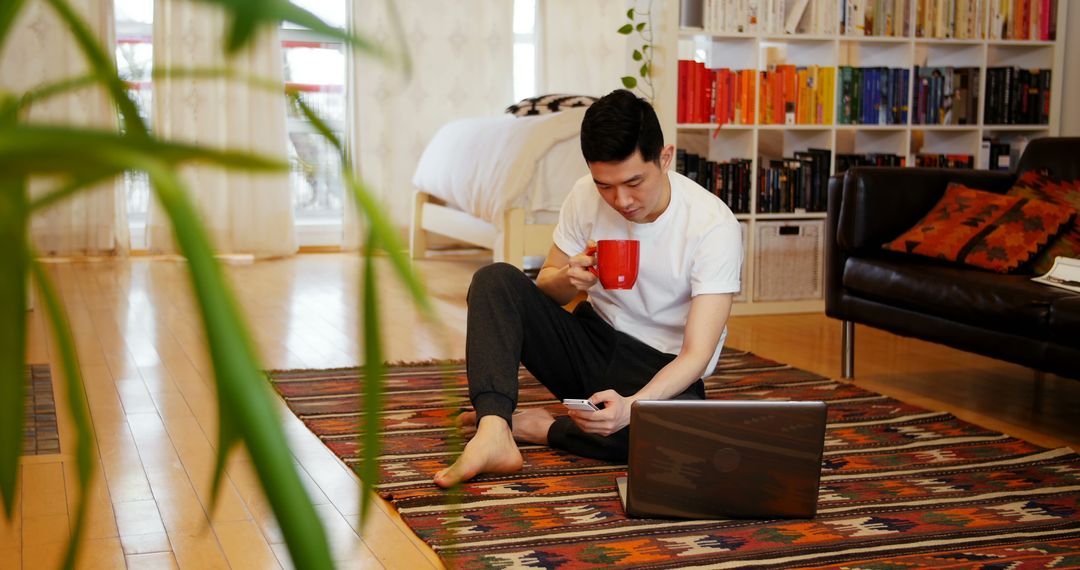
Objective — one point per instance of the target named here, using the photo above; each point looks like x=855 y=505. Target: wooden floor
x=153 y=407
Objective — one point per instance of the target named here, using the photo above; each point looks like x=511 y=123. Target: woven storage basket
x=788 y=259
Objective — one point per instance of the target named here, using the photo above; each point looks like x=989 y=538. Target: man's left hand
x=614 y=415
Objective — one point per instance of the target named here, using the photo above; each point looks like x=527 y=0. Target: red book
x=693 y=94
x=723 y=92
x=751 y=77
x=684 y=86
x=1044 y=20
x=710 y=92
x=703 y=96
x=737 y=112
x=1025 y=32
x=779 y=92
x=699 y=93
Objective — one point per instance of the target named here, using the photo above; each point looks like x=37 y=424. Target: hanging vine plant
x=640 y=23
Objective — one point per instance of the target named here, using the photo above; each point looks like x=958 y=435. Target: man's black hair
x=618 y=124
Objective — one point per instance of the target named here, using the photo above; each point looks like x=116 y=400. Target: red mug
x=616 y=262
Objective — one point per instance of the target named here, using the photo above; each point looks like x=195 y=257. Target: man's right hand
x=577 y=270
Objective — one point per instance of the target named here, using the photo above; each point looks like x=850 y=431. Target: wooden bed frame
x=521 y=239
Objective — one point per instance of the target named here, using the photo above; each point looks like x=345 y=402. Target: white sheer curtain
x=244 y=213
x=40 y=50
x=462 y=66
x=582 y=52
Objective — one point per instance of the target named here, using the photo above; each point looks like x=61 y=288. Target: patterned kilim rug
x=39 y=424
x=902 y=487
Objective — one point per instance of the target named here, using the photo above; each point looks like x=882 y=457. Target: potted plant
x=78 y=157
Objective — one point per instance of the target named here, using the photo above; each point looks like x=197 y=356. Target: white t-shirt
x=693 y=248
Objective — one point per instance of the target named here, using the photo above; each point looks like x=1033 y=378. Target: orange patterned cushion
x=992 y=231
x=1065 y=193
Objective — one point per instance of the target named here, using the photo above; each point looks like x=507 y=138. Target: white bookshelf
x=754 y=50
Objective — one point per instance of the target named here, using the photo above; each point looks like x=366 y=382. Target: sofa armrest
x=834 y=257
x=1057 y=156
x=879 y=203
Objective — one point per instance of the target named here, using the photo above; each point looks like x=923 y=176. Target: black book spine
x=1044 y=78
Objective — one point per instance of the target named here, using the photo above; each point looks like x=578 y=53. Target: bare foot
x=491 y=450
x=532 y=425
x=466 y=423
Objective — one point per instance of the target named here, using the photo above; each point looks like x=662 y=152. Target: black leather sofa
x=1008 y=317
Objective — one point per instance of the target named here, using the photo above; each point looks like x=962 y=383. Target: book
x=1065 y=273
x=795 y=15
x=691 y=14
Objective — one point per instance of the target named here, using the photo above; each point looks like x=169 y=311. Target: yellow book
x=801 y=97
x=828 y=95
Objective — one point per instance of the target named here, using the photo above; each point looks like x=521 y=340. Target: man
x=654 y=341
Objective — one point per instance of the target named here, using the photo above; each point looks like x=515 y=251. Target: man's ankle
x=492 y=423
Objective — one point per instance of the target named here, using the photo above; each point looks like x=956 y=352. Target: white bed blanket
x=486 y=165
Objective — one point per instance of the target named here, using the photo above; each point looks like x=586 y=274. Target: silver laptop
x=707 y=459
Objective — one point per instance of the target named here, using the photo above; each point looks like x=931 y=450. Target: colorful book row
x=793 y=184
x=793 y=95
x=761 y=16
x=873 y=17
x=846 y=161
x=955 y=19
x=728 y=180
x=943 y=19
x=1017 y=96
x=946 y=96
x=1023 y=20
x=873 y=96
x=945 y=160
x=723 y=96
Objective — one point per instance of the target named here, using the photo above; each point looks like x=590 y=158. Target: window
x=311 y=63
x=315 y=66
x=525 y=49
x=135 y=62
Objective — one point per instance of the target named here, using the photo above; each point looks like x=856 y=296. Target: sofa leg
x=847 y=355
x=1040 y=379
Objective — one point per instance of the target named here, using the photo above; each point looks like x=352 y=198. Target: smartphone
x=580 y=405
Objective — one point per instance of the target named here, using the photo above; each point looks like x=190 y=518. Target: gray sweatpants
x=512 y=322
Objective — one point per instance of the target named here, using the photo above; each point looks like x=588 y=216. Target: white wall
x=1070 y=111
x=461 y=56
x=582 y=52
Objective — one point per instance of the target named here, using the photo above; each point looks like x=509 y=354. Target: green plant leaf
x=247 y=16
x=241 y=386
x=389 y=242
x=641 y=26
x=11 y=107
x=629 y=82
x=626 y=29
x=630 y=14
x=9 y=10
x=228 y=437
x=71 y=187
x=637 y=55
x=644 y=69
x=84 y=156
x=382 y=235
x=76 y=398
x=14 y=266
x=373 y=386
x=229 y=73
x=102 y=65
x=319 y=124
x=47 y=149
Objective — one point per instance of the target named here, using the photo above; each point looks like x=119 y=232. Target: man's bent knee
x=496 y=275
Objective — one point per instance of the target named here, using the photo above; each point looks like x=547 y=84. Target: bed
x=497 y=183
